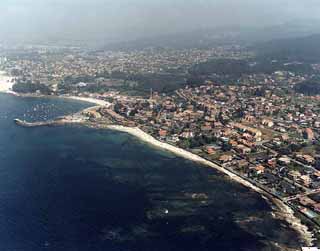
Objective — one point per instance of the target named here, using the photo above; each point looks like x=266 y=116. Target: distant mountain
x=293 y=29
x=199 y=38
x=305 y=49
x=206 y=38
x=182 y=40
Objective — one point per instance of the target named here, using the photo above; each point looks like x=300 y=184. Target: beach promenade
x=284 y=211
x=281 y=209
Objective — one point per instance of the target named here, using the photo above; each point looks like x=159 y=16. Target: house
x=259 y=169
x=316 y=175
x=210 y=150
x=206 y=128
x=255 y=132
x=272 y=162
x=316 y=207
x=243 y=149
x=306 y=180
x=284 y=160
x=249 y=118
x=307 y=159
x=233 y=143
x=306 y=201
x=294 y=175
x=268 y=123
x=187 y=134
x=285 y=137
x=225 y=158
x=308 y=134
x=243 y=163
x=93 y=114
x=163 y=133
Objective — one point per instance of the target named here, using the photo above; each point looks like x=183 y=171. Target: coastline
x=6 y=83
x=285 y=212
x=87 y=99
x=8 y=90
x=282 y=211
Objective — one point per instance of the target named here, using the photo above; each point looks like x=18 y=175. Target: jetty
x=24 y=123
x=56 y=122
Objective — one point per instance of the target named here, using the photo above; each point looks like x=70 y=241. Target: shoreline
x=90 y=100
x=86 y=99
x=6 y=83
x=281 y=210
x=284 y=211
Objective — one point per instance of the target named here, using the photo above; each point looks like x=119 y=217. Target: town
x=258 y=127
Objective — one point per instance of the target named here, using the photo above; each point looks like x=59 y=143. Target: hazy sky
x=113 y=19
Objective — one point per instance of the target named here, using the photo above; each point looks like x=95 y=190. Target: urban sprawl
x=257 y=127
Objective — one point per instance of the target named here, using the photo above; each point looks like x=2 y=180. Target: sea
x=73 y=188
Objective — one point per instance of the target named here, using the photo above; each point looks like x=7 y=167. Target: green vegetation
x=197 y=141
x=141 y=84
x=31 y=88
x=222 y=67
x=311 y=87
x=233 y=69
x=305 y=49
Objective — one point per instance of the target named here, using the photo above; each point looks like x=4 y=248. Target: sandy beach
x=6 y=83
x=98 y=102
x=284 y=211
x=89 y=100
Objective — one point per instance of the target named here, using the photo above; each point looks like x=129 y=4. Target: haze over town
x=104 y=21
x=230 y=85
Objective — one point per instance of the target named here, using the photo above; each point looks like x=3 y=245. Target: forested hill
x=304 y=49
x=310 y=88
x=236 y=68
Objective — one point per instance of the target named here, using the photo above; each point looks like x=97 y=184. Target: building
x=259 y=169
x=225 y=158
x=310 y=249
x=308 y=134
x=257 y=134
x=163 y=133
x=306 y=201
x=268 y=122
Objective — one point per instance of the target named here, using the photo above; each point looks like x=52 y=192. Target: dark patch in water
x=79 y=189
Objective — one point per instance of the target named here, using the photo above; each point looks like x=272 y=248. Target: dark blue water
x=79 y=189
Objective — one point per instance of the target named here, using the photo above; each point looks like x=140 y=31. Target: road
x=298 y=196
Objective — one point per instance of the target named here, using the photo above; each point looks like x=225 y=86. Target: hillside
x=304 y=49
x=309 y=88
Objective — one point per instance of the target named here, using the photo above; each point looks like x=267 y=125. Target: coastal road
x=298 y=196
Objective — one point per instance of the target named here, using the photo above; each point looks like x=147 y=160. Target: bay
x=80 y=189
